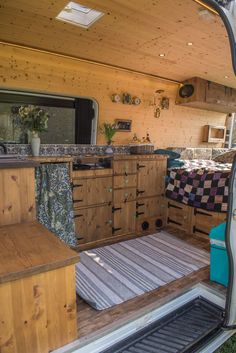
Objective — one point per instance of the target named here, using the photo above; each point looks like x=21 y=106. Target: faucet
x=4 y=148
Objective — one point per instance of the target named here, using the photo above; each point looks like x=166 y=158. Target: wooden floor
x=91 y=320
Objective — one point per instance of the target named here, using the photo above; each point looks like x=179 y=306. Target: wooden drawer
x=93 y=224
x=124 y=195
x=179 y=215
x=125 y=181
x=124 y=167
x=94 y=191
x=204 y=221
x=124 y=218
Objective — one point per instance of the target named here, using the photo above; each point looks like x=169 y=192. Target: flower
x=33 y=118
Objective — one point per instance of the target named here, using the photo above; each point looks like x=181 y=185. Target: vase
x=35 y=144
x=109 y=149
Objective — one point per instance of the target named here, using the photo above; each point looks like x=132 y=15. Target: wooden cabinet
x=199 y=93
x=93 y=224
x=108 y=203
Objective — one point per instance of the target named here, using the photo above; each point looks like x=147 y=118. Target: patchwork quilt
x=201 y=184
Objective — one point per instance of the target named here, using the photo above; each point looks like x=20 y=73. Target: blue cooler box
x=219 y=267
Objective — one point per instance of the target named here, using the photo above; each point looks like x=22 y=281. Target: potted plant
x=34 y=119
x=108 y=130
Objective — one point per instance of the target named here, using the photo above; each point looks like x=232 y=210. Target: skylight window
x=79 y=15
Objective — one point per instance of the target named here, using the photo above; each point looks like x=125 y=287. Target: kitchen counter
x=28 y=249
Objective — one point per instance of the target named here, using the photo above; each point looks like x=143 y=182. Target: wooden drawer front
x=178 y=215
x=124 y=195
x=148 y=208
x=124 y=167
x=94 y=223
x=94 y=191
x=79 y=192
x=125 y=181
x=124 y=218
x=204 y=221
x=99 y=190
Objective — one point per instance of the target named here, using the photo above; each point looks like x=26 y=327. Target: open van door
x=227 y=11
x=230 y=309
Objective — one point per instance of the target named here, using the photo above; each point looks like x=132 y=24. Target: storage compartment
x=204 y=221
x=214 y=134
x=179 y=216
x=124 y=218
x=93 y=224
x=124 y=195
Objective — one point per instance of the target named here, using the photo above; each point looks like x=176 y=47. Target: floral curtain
x=54 y=201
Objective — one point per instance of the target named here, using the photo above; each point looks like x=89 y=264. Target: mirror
x=72 y=120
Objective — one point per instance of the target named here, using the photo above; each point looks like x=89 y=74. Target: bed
x=200 y=184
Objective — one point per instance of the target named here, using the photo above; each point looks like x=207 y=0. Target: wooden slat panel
x=128 y=181
x=17 y=201
x=124 y=218
x=123 y=195
x=38 y=313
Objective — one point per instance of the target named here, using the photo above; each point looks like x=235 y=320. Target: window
x=72 y=120
x=79 y=15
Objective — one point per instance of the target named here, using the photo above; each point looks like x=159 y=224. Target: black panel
x=184 y=330
x=18 y=98
x=84 y=117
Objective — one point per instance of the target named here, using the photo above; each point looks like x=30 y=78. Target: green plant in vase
x=35 y=120
x=108 y=130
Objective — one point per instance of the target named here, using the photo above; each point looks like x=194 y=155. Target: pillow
x=227 y=157
x=171 y=154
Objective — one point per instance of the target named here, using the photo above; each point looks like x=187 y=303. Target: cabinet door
x=148 y=208
x=79 y=192
x=93 y=224
x=150 y=182
x=124 y=195
x=124 y=218
x=99 y=191
x=204 y=221
x=124 y=167
x=179 y=216
x=216 y=93
x=125 y=181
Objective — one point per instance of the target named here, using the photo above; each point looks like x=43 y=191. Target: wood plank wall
x=178 y=126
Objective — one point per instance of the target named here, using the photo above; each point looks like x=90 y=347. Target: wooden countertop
x=52 y=159
x=17 y=163
x=29 y=248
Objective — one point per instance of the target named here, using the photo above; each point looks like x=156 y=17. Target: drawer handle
x=109 y=189
x=174 y=206
x=78 y=200
x=78 y=215
x=78 y=186
x=139 y=213
x=110 y=221
x=139 y=166
x=203 y=213
x=114 y=209
x=171 y=221
x=139 y=204
x=140 y=192
x=115 y=229
x=199 y=231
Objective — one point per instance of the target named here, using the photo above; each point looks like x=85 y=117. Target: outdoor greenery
x=229 y=346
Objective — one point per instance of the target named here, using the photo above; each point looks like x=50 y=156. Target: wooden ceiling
x=132 y=34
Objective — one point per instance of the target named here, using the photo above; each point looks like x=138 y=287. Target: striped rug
x=112 y=274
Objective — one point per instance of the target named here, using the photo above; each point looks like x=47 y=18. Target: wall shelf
x=214 y=134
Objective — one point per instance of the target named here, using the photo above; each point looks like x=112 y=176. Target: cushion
x=171 y=154
x=227 y=157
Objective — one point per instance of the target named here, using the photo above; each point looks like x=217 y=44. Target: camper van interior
x=117 y=176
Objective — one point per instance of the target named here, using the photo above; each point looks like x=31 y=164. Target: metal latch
x=234 y=214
